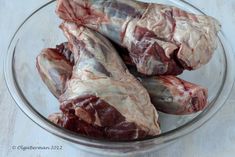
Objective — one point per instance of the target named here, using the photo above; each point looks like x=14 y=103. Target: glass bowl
x=40 y=30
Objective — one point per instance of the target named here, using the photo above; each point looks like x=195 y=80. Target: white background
x=215 y=139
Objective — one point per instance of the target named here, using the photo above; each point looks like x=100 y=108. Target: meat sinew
x=161 y=39
x=101 y=93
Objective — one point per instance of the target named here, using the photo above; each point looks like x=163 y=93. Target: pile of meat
x=120 y=63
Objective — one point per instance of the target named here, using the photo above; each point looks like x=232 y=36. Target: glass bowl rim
x=183 y=130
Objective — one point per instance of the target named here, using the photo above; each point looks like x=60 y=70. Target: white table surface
x=214 y=139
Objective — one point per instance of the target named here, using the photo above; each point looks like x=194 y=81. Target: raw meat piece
x=172 y=95
x=101 y=92
x=161 y=39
